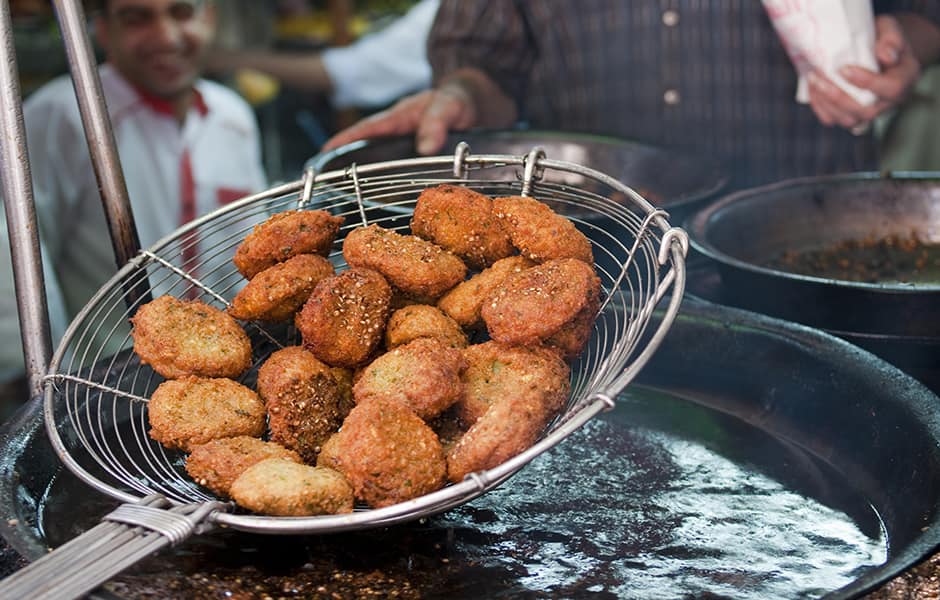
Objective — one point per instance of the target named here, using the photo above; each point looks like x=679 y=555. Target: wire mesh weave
x=97 y=389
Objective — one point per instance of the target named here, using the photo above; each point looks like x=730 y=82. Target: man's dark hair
x=100 y=6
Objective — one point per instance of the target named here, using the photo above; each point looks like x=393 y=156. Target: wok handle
x=128 y=534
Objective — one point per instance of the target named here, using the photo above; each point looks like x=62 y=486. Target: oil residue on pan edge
x=891 y=259
x=659 y=498
x=645 y=512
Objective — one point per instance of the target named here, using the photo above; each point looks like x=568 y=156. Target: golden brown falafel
x=496 y=370
x=539 y=232
x=422 y=320
x=283 y=488
x=417 y=267
x=462 y=221
x=387 y=453
x=464 y=301
x=179 y=338
x=423 y=374
x=216 y=464
x=284 y=235
x=190 y=411
x=302 y=397
x=522 y=389
x=278 y=292
x=570 y=340
x=344 y=319
x=536 y=303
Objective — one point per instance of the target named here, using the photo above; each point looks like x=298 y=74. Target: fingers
x=401 y=119
x=833 y=106
x=448 y=110
x=892 y=85
x=889 y=41
x=899 y=68
x=899 y=72
x=430 y=115
x=821 y=110
x=431 y=137
x=895 y=80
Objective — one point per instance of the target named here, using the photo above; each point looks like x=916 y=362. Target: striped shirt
x=709 y=77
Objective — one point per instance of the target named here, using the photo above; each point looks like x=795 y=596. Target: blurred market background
x=294 y=124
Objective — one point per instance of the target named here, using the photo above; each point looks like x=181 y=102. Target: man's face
x=158 y=45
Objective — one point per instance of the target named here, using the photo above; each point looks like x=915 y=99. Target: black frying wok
x=670 y=180
x=741 y=233
x=744 y=231
x=755 y=459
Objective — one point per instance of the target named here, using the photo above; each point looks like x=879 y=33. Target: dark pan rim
x=717 y=174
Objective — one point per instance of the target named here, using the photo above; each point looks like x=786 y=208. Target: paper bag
x=825 y=35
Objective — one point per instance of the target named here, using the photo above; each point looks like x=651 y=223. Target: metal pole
x=21 y=216
x=100 y=137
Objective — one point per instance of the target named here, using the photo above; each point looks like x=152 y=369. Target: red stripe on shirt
x=187 y=214
x=165 y=107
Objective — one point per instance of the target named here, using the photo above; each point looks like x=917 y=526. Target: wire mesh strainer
x=97 y=389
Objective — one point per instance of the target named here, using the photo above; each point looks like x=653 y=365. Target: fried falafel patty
x=283 y=488
x=186 y=412
x=463 y=302
x=524 y=389
x=536 y=303
x=462 y=221
x=573 y=336
x=419 y=268
x=216 y=464
x=539 y=232
x=303 y=400
x=423 y=374
x=496 y=370
x=179 y=338
x=284 y=235
x=387 y=453
x=423 y=321
x=344 y=319
x=278 y=292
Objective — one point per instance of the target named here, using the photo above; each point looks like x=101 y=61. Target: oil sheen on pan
x=659 y=498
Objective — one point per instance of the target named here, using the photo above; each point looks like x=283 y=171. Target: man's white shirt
x=173 y=173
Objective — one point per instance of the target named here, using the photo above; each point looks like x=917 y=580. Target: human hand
x=900 y=70
x=430 y=115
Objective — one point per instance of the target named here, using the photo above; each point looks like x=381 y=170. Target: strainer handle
x=98 y=132
x=127 y=535
x=21 y=216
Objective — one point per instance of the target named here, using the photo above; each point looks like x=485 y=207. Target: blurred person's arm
x=303 y=71
x=374 y=71
x=381 y=67
x=481 y=53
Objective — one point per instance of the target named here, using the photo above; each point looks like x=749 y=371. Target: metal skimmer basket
x=97 y=390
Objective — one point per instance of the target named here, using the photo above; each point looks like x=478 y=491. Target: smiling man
x=158 y=47
x=186 y=146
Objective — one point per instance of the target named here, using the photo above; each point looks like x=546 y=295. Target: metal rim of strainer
x=611 y=374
